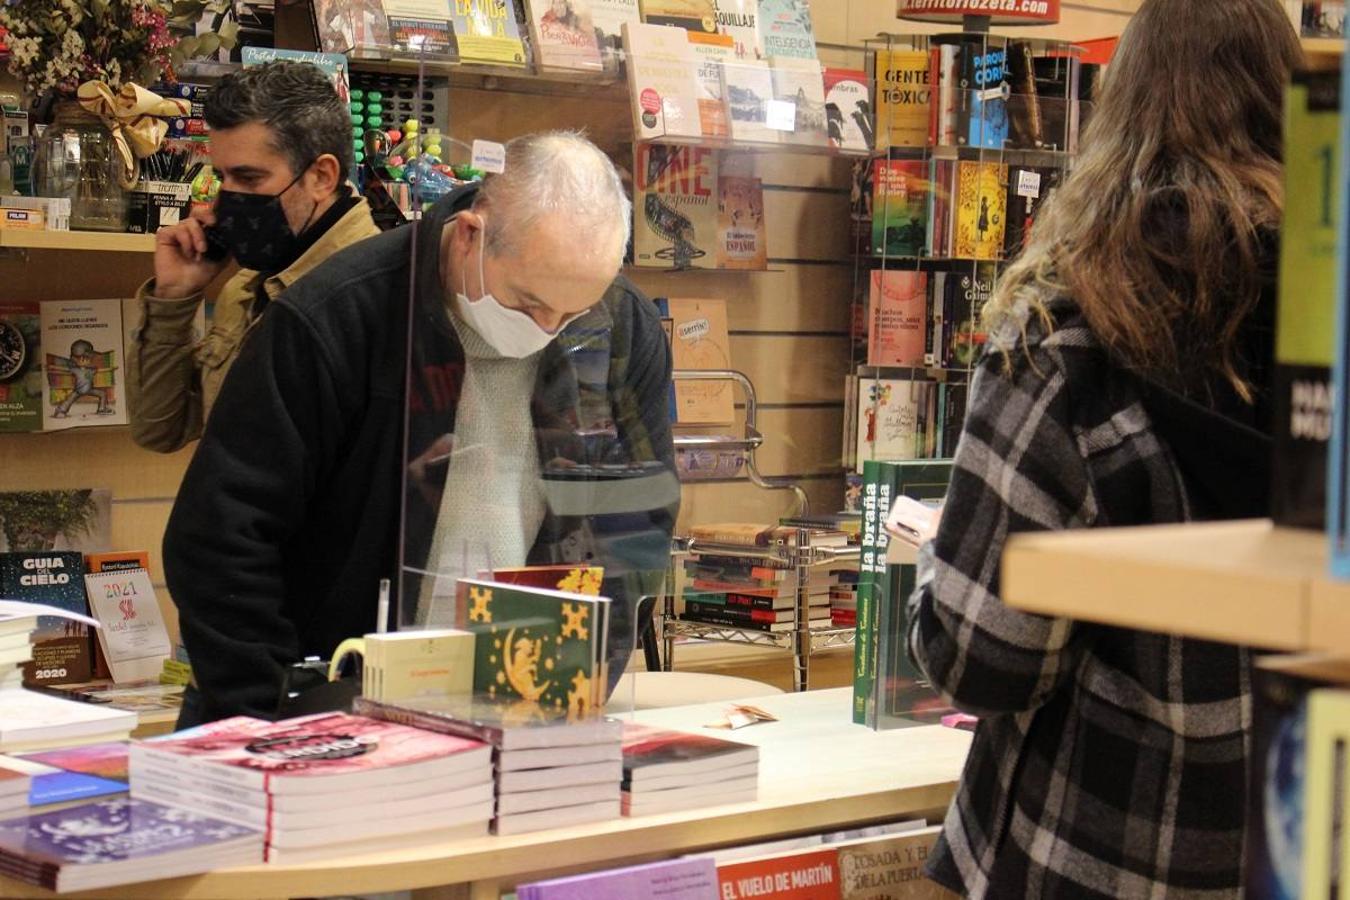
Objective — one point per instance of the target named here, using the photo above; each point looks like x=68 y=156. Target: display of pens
x=171 y=165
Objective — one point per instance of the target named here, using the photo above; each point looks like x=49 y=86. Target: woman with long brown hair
x=1125 y=383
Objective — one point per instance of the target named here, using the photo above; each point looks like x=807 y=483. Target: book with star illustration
x=120 y=841
x=536 y=647
x=571 y=579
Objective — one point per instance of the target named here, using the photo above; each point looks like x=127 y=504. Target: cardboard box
x=26 y=219
x=56 y=210
x=154 y=204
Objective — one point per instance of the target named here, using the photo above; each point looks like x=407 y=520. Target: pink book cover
x=320 y=745
x=898 y=310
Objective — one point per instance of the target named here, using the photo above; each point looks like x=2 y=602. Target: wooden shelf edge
x=1236 y=582
x=111 y=242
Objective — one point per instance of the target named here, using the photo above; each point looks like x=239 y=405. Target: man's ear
x=326 y=176
x=467 y=226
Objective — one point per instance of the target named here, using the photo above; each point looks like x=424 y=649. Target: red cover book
x=573 y=579
x=898 y=302
x=848 y=108
x=809 y=875
x=658 y=753
x=312 y=754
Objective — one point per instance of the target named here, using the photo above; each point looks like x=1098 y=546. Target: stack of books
x=33 y=721
x=323 y=785
x=751 y=593
x=551 y=771
x=665 y=771
x=120 y=841
x=844 y=601
x=14 y=787
x=16 y=648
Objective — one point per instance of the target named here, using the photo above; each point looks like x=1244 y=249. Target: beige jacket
x=172 y=379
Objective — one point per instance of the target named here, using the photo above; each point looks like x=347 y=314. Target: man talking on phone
x=281 y=143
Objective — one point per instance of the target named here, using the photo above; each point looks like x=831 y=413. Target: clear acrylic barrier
x=552 y=472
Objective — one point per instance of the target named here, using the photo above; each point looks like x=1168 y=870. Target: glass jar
x=76 y=158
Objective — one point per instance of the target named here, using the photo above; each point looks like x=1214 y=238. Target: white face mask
x=509 y=331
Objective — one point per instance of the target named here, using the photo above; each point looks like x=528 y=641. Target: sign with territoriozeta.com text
x=999 y=12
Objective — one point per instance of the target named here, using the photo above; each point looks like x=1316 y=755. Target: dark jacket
x=290 y=512
x=1107 y=762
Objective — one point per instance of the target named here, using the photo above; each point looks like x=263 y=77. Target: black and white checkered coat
x=1108 y=763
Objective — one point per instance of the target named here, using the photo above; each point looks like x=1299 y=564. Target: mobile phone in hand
x=913 y=521
x=217 y=248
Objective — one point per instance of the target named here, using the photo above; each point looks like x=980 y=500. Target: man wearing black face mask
x=281 y=143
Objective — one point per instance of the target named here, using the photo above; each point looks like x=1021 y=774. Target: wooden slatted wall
x=789 y=325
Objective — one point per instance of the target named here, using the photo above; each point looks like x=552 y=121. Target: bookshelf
x=1323 y=46
x=1243 y=582
x=98 y=241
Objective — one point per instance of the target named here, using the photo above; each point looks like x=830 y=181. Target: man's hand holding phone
x=188 y=256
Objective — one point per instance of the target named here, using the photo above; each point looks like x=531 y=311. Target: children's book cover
x=904 y=98
x=536 y=648
x=892 y=418
x=20 y=366
x=981 y=208
x=84 y=364
x=742 y=241
x=899 y=208
x=675 y=207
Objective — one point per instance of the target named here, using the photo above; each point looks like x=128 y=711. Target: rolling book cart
x=797 y=554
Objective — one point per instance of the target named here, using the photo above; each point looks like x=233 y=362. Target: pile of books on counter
x=754 y=593
x=30 y=720
x=666 y=771
x=551 y=772
x=14 y=787
x=119 y=841
x=324 y=785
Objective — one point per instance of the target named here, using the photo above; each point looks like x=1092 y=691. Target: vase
x=77 y=159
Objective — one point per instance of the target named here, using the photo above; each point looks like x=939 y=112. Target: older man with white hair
x=519 y=418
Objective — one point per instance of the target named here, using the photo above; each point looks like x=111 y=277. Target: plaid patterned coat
x=1108 y=763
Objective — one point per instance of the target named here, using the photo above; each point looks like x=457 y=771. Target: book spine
x=438 y=724
x=154 y=758
x=726 y=621
x=934 y=94
x=731 y=612
x=863 y=675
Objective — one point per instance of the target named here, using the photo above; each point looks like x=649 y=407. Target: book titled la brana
x=675 y=207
